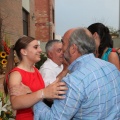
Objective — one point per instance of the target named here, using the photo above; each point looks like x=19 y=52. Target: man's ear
x=73 y=48
x=23 y=52
x=95 y=35
x=50 y=54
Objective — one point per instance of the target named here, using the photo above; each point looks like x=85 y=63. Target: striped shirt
x=93 y=93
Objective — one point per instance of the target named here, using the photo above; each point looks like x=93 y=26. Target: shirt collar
x=53 y=63
x=80 y=60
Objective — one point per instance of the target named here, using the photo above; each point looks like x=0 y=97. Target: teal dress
x=106 y=54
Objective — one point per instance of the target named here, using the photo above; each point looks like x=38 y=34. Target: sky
x=76 y=13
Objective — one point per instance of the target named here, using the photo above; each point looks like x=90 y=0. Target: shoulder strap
x=114 y=50
x=106 y=54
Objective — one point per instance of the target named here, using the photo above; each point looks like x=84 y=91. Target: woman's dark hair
x=104 y=34
x=21 y=43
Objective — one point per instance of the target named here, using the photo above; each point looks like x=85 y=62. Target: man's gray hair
x=84 y=42
x=50 y=43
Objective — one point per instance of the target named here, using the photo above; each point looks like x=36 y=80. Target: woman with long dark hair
x=104 y=43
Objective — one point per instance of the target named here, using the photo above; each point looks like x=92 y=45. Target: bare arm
x=113 y=58
x=24 y=100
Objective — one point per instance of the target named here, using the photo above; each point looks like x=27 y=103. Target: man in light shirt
x=93 y=84
x=53 y=65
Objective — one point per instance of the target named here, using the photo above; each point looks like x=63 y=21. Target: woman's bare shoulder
x=14 y=78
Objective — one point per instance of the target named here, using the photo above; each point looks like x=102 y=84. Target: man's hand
x=19 y=90
x=64 y=71
x=65 y=64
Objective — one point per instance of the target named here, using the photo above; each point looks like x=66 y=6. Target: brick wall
x=12 y=19
x=44 y=23
x=41 y=17
x=11 y=12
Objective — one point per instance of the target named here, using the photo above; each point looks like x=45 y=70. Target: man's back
x=93 y=84
x=94 y=89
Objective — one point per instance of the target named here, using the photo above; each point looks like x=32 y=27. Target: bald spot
x=68 y=33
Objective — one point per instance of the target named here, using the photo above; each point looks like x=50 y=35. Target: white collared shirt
x=49 y=71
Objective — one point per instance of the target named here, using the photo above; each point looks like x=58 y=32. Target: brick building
x=27 y=17
x=16 y=19
x=44 y=21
